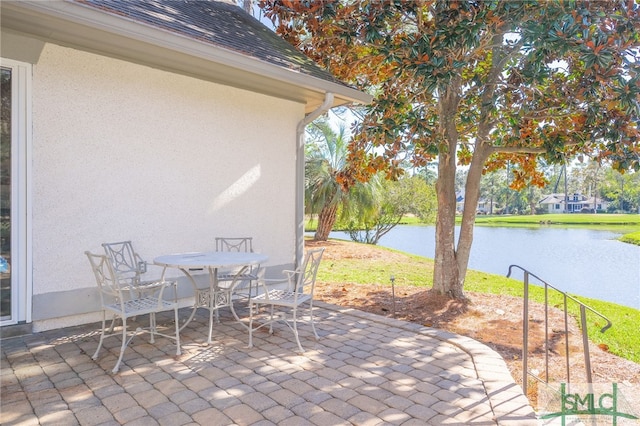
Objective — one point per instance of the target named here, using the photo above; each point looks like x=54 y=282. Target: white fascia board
x=77 y=25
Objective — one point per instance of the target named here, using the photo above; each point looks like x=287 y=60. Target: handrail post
x=393 y=294
x=585 y=342
x=525 y=333
x=546 y=332
x=566 y=339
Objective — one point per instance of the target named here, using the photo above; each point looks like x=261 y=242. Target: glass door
x=15 y=140
x=7 y=296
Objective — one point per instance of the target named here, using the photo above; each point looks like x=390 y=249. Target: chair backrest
x=240 y=244
x=306 y=280
x=107 y=281
x=125 y=261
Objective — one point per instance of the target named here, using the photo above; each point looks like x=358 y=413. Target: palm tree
x=326 y=157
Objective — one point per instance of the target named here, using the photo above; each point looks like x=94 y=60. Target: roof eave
x=78 y=26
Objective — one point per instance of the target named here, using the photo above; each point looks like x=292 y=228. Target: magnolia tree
x=477 y=83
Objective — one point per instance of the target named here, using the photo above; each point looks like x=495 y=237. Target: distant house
x=164 y=122
x=555 y=203
x=484 y=206
x=459 y=201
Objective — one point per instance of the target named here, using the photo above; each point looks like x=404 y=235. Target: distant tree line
x=621 y=191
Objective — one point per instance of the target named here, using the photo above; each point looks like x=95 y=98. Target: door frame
x=21 y=210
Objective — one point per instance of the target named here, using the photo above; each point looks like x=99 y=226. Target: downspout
x=326 y=105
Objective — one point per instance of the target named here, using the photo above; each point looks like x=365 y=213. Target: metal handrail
x=525 y=328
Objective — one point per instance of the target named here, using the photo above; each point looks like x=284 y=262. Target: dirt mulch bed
x=491 y=319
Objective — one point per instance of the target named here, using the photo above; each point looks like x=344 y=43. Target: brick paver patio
x=364 y=370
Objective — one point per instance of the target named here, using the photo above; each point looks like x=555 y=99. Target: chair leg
x=313 y=327
x=211 y=309
x=104 y=319
x=295 y=330
x=235 y=314
x=178 y=350
x=251 y=308
x=271 y=321
x=124 y=345
x=113 y=323
x=152 y=326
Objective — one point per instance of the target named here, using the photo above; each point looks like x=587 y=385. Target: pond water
x=582 y=262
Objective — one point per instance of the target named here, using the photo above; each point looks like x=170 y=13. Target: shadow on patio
x=364 y=369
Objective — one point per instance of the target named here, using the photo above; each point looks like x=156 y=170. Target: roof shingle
x=219 y=23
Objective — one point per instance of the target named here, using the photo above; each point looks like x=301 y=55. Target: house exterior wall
x=126 y=152
x=555 y=208
x=576 y=203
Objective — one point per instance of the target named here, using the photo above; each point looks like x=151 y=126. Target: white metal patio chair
x=115 y=299
x=131 y=268
x=244 y=285
x=300 y=287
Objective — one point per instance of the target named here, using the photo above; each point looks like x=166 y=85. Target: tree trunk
x=326 y=220
x=532 y=201
x=470 y=210
x=446 y=275
x=451 y=262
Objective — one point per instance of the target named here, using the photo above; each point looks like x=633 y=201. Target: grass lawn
x=632 y=238
x=565 y=219
x=624 y=222
x=629 y=223
x=622 y=338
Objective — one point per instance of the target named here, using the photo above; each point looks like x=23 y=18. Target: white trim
x=21 y=143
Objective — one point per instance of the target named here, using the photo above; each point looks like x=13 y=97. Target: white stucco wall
x=122 y=151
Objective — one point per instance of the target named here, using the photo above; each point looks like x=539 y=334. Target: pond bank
x=632 y=238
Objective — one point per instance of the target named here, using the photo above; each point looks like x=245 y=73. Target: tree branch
x=517 y=149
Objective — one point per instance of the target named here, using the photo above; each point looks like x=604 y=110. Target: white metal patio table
x=214 y=297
